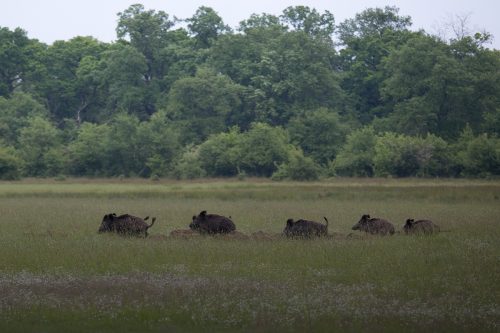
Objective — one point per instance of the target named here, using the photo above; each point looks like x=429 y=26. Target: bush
x=404 y=156
x=189 y=166
x=298 y=167
x=220 y=155
x=481 y=156
x=55 y=161
x=434 y=157
x=263 y=147
x=356 y=156
x=40 y=148
x=320 y=134
x=10 y=164
x=88 y=151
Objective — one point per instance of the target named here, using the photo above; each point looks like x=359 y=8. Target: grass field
x=58 y=274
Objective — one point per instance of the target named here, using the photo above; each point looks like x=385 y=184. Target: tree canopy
x=295 y=95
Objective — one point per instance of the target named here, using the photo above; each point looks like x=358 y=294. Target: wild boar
x=126 y=224
x=305 y=229
x=212 y=224
x=425 y=227
x=374 y=226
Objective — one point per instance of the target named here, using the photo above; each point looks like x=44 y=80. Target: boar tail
x=152 y=222
x=326 y=221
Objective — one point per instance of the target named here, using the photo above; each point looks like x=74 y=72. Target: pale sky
x=50 y=20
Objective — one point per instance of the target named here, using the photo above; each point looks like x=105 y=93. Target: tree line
x=294 y=96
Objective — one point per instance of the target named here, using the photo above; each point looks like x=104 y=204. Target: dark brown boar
x=424 y=227
x=374 y=226
x=305 y=229
x=212 y=224
x=126 y=224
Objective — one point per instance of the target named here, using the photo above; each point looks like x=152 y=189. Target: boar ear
x=194 y=217
x=203 y=213
x=289 y=222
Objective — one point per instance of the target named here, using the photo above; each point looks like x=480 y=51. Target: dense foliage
x=291 y=96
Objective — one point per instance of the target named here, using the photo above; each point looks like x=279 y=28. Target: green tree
x=403 y=156
x=427 y=87
x=372 y=22
x=395 y=155
x=146 y=30
x=89 y=90
x=319 y=133
x=480 y=156
x=122 y=146
x=263 y=148
x=177 y=59
x=298 y=167
x=295 y=72
x=124 y=69
x=303 y=18
x=367 y=40
x=206 y=26
x=200 y=105
x=10 y=163
x=491 y=123
x=15 y=113
x=158 y=145
x=14 y=59
x=284 y=71
x=58 y=82
x=87 y=153
x=38 y=145
x=355 y=158
x=260 y=22
x=220 y=155
x=188 y=166
x=434 y=157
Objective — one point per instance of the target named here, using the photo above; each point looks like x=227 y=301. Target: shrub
x=220 y=155
x=433 y=156
x=298 y=167
x=87 y=153
x=395 y=155
x=39 y=147
x=263 y=147
x=189 y=166
x=356 y=156
x=320 y=134
x=404 y=156
x=481 y=156
x=10 y=164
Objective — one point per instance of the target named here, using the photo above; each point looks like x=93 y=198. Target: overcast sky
x=50 y=20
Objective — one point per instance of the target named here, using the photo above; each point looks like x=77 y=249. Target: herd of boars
x=213 y=224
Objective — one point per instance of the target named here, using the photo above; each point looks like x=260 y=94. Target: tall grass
x=57 y=273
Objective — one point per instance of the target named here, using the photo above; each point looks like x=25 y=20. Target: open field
x=58 y=274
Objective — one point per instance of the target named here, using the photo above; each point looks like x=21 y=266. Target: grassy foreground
x=58 y=274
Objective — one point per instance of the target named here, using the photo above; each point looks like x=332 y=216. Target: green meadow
x=58 y=274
